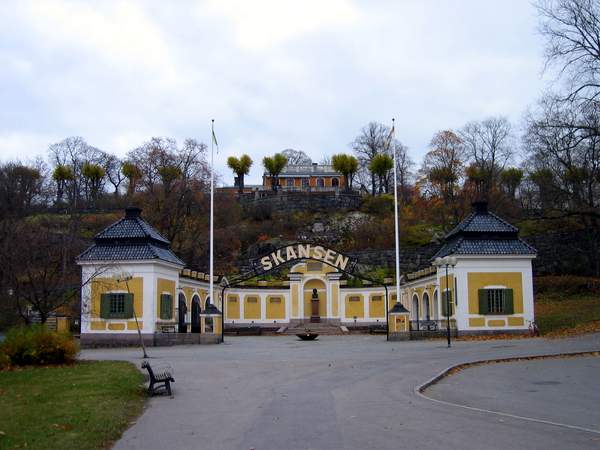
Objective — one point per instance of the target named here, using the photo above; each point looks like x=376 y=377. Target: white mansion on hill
x=137 y=281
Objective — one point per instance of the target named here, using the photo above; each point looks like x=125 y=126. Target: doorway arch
x=182 y=328
x=320 y=305
x=436 y=307
x=415 y=307
x=195 y=314
x=426 y=310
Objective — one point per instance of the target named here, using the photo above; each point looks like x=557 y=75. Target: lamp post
x=446 y=261
x=125 y=277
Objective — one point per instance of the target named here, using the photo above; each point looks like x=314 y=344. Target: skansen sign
x=299 y=252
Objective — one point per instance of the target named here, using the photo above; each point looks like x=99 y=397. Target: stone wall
x=301 y=201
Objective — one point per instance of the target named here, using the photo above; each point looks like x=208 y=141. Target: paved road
x=341 y=392
x=557 y=390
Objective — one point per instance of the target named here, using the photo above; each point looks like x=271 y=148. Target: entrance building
x=132 y=278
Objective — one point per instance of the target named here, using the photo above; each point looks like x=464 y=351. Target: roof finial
x=133 y=212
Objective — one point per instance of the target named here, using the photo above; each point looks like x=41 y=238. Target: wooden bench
x=162 y=378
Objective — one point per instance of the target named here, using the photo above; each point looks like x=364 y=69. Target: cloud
x=263 y=24
x=274 y=74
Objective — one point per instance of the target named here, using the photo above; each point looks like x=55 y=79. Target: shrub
x=36 y=345
x=4 y=361
x=567 y=285
x=380 y=205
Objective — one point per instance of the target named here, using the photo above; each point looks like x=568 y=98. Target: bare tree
x=112 y=165
x=372 y=140
x=572 y=30
x=489 y=145
x=296 y=157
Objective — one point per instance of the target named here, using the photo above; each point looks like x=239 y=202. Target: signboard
x=298 y=252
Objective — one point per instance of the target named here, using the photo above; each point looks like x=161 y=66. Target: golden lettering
x=318 y=252
x=290 y=253
x=341 y=262
x=329 y=254
x=303 y=251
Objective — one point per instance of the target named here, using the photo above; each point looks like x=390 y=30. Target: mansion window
x=320 y=182
x=116 y=306
x=335 y=182
x=305 y=182
x=290 y=182
x=496 y=301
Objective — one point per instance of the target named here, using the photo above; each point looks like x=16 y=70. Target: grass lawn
x=84 y=406
x=568 y=314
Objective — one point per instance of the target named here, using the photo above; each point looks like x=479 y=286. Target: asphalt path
x=348 y=392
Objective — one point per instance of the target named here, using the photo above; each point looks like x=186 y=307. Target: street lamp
x=446 y=261
x=124 y=277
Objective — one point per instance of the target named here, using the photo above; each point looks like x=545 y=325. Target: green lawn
x=84 y=406
x=567 y=314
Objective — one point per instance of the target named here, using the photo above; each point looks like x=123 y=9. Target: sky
x=273 y=74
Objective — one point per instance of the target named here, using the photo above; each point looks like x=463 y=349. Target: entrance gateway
x=314 y=292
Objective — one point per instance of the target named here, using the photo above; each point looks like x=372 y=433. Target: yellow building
x=484 y=285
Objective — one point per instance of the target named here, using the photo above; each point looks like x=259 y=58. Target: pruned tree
x=63 y=176
x=347 y=165
x=510 y=180
x=241 y=167
x=93 y=174
x=133 y=175
x=380 y=166
x=274 y=165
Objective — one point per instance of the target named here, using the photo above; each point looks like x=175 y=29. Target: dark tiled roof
x=484 y=233
x=483 y=223
x=131 y=228
x=128 y=252
x=130 y=238
x=466 y=246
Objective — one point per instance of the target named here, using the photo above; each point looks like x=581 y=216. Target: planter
x=307 y=336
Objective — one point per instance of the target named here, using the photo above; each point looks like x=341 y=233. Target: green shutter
x=105 y=306
x=128 y=306
x=166 y=307
x=447 y=295
x=483 y=301
x=508 y=302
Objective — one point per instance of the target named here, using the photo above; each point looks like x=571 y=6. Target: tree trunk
x=240 y=183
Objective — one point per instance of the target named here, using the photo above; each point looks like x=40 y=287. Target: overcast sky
x=273 y=74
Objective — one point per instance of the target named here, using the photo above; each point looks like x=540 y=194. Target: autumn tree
x=442 y=170
x=241 y=167
x=489 y=145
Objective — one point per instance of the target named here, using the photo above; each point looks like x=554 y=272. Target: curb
x=419 y=390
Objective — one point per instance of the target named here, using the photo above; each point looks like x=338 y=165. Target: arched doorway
x=335 y=182
x=415 y=310
x=426 y=312
x=182 y=312
x=436 y=306
x=320 y=182
x=315 y=307
x=195 y=314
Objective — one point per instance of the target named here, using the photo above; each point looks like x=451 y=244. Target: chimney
x=314 y=167
x=132 y=212
x=480 y=207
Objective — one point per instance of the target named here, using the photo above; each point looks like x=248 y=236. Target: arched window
x=182 y=313
x=195 y=319
x=320 y=182
x=290 y=182
x=335 y=182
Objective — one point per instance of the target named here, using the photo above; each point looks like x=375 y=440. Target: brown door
x=314 y=316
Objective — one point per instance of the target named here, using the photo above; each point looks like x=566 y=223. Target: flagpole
x=397 y=232
x=212 y=193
